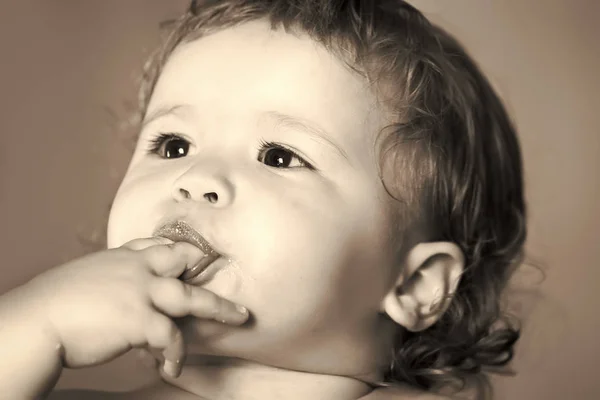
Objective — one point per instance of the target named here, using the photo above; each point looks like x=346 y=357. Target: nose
x=203 y=185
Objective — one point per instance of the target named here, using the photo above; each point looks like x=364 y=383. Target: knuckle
x=132 y=245
x=158 y=255
x=149 y=251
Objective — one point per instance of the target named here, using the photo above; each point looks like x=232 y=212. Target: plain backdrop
x=67 y=82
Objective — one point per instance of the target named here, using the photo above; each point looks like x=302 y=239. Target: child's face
x=310 y=248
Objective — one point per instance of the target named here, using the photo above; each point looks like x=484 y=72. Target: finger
x=146 y=358
x=172 y=259
x=178 y=299
x=142 y=243
x=163 y=333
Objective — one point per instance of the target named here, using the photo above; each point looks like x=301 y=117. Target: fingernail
x=241 y=309
x=172 y=368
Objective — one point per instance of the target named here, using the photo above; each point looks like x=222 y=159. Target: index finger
x=171 y=260
x=142 y=243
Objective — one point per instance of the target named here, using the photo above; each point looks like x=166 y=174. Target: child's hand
x=104 y=304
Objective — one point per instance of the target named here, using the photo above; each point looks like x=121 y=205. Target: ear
x=425 y=286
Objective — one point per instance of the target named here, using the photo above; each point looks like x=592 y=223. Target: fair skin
x=307 y=237
x=291 y=231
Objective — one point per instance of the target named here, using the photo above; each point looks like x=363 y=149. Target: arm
x=30 y=362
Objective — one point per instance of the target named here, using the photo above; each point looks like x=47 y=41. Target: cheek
x=318 y=251
x=298 y=226
x=133 y=212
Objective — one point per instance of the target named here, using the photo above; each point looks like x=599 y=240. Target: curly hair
x=452 y=153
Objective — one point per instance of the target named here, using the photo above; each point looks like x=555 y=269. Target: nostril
x=212 y=197
x=185 y=194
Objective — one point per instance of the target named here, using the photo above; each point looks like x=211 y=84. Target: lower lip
x=197 y=269
x=207 y=273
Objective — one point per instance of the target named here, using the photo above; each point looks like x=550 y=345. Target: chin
x=210 y=337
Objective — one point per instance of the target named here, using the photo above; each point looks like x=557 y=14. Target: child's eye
x=169 y=145
x=277 y=156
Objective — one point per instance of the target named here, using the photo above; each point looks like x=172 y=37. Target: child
x=338 y=190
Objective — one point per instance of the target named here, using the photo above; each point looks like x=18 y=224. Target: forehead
x=253 y=56
x=251 y=68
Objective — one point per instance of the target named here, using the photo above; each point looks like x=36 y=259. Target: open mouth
x=179 y=231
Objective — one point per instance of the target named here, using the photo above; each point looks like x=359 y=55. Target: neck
x=213 y=378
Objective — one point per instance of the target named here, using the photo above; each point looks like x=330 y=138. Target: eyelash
x=264 y=146
x=156 y=143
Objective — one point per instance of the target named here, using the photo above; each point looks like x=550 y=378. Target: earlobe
x=401 y=309
x=425 y=286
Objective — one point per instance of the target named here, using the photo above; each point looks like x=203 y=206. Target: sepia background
x=68 y=80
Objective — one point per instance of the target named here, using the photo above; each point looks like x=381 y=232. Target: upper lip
x=180 y=231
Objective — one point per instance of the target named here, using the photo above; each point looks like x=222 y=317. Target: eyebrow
x=161 y=112
x=282 y=120
x=313 y=130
